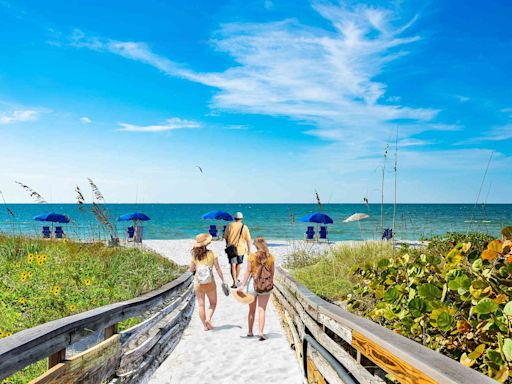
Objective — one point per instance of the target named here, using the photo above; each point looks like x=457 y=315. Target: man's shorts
x=235 y=260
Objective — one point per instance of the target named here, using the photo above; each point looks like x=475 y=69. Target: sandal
x=262 y=338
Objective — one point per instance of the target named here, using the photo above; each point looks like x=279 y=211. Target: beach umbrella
x=356 y=217
x=217 y=215
x=134 y=216
x=317 y=217
x=53 y=217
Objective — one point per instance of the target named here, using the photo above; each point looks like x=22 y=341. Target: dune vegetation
x=453 y=296
x=43 y=280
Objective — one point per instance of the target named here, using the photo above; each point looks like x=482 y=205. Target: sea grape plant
x=459 y=304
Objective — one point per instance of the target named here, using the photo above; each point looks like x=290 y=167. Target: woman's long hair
x=199 y=253
x=262 y=253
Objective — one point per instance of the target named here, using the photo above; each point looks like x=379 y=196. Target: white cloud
x=501 y=133
x=319 y=76
x=170 y=125
x=85 y=120
x=18 y=116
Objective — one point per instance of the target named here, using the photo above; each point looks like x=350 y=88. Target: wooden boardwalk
x=226 y=355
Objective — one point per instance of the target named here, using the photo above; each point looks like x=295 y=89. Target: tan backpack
x=263 y=281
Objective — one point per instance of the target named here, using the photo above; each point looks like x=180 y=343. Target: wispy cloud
x=85 y=120
x=319 y=76
x=17 y=116
x=170 y=125
x=501 y=133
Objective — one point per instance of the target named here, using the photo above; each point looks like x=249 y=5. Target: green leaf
x=417 y=307
x=507 y=349
x=508 y=309
x=494 y=357
x=392 y=295
x=383 y=263
x=486 y=306
x=429 y=291
x=460 y=284
x=477 y=265
x=445 y=321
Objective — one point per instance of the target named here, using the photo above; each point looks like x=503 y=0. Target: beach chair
x=309 y=235
x=59 y=233
x=213 y=231
x=130 y=233
x=46 y=232
x=387 y=234
x=323 y=234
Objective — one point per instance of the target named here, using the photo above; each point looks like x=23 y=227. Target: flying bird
x=200 y=169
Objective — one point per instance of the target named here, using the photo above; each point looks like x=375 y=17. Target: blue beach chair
x=323 y=234
x=213 y=231
x=309 y=235
x=387 y=234
x=46 y=232
x=59 y=233
x=130 y=232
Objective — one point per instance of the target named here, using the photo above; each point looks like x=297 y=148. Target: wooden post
x=56 y=358
x=110 y=331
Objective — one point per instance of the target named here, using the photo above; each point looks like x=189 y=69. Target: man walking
x=238 y=242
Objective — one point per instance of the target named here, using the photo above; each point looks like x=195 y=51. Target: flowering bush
x=44 y=280
x=459 y=304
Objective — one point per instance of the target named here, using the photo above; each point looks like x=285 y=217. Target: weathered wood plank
x=91 y=366
x=31 y=345
x=323 y=367
x=314 y=376
x=402 y=371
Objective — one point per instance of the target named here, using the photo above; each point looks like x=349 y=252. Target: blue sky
x=273 y=99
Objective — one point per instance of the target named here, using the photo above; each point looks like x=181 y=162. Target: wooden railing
x=336 y=346
x=128 y=356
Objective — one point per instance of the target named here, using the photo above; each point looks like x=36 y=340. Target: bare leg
x=200 y=302
x=212 y=298
x=262 y=306
x=238 y=271
x=233 y=274
x=252 y=313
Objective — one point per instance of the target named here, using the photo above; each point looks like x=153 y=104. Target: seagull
x=200 y=169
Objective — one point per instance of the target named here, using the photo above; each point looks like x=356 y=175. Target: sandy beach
x=226 y=355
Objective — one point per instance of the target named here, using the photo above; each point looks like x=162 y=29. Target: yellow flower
x=87 y=282
x=40 y=261
x=22 y=300
x=30 y=258
x=8 y=334
x=1 y=333
x=30 y=274
x=56 y=290
x=23 y=276
x=5 y=381
x=44 y=257
x=72 y=307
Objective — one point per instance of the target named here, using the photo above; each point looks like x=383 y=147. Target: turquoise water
x=179 y=221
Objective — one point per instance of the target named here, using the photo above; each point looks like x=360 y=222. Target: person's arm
x=192 y=267
x=219 y=271
x=246 y=277
x=248 y=241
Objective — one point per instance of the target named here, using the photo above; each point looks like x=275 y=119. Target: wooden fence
x=336 y=346
x=126 y=357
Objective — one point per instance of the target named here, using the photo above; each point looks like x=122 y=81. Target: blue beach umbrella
x=134 y=216
x=317 y=217
x=53 y=217
x=218 y=215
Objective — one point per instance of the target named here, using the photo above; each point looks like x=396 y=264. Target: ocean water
x=180 y=221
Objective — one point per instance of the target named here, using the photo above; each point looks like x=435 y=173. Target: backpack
x=263 y=281
x=203 y=274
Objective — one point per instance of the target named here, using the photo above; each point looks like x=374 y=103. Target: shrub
x=458 y=304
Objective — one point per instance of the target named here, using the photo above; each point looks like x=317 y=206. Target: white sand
x=225 y=355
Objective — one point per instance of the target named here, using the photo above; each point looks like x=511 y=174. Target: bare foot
x=209 y=325
x=206 y=328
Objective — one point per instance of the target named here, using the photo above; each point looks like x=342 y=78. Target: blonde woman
x=260 y=268
x=202 y=263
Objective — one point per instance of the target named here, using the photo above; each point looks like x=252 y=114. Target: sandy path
x=226 y=355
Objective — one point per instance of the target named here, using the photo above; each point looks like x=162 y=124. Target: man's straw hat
x=202 y=239
x=242 y=297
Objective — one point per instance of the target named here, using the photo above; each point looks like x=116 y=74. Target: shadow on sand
x=226 y=326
